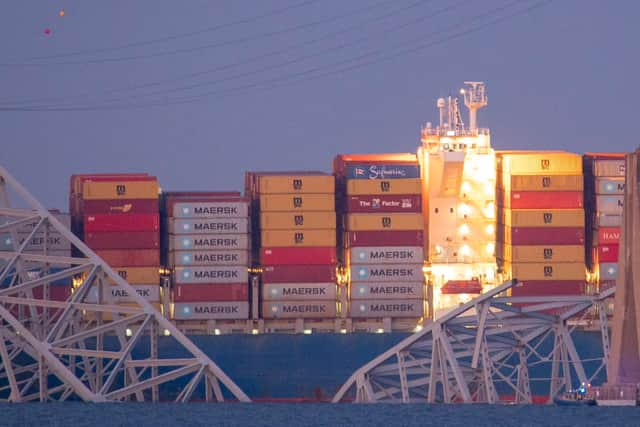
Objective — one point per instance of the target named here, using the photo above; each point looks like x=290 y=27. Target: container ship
x=292 y=283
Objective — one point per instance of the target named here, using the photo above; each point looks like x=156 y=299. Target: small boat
x=576 y=397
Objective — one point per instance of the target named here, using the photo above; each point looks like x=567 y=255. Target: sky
x=198 y=92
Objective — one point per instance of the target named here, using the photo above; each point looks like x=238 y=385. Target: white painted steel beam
x=85 y=343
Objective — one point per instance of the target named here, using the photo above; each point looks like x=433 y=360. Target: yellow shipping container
x=537 y=162
x=120 y=190
x=139 y=275
x=356 y=187
x=303 y=238
x=548 y=271
x=557 y=253
x=303 y=184
x=542 y=182
x=298 y=220
x=542 y=217
x=297 y=202
x=399 y=221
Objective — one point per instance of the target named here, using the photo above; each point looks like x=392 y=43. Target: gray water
x=294 y=415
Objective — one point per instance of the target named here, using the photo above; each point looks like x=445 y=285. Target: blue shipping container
x=365 y=171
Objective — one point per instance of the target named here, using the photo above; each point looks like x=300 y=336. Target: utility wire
x=290 y=79
x=194 y=49
x=228 y=66
x=179 y=36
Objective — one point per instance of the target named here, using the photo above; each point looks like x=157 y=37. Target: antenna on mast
x=475 y=97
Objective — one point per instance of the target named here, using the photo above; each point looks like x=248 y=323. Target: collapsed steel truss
x=87 y=347
x=485 y=350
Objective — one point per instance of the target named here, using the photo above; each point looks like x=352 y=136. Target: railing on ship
x=438 y=145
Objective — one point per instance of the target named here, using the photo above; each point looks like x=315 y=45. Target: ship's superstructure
x=458 y=170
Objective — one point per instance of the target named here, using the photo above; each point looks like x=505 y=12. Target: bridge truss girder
x=483 y=352
x=88 y=347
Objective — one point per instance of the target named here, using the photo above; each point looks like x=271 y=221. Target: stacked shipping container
x=604 y=200
x=117 y=215
x=296 y=245
x=540 y=235
x=382 y=232
x=207 y=239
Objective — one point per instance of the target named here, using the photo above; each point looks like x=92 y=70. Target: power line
x=177 y=36
x=232 y=65
x=193 y=49
x=289 y=79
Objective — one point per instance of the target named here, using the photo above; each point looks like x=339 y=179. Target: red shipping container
x=387 y=203
x=608 y=235
x=56 y=293
x=303 y=256
x=124 y=206
x=384 y=238
x=299 y=273
x=131 y=222
x=547 y=200
x=547 y=236
x=211 y=292
x=130 y=257
x=123 y=240
x=608 y=253
x=530 y=288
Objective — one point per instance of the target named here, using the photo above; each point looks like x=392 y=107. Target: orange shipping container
x=400 y=221
x=542 y=182
x=140 y=275
x=548 y=271
x=100 y=190
x=537 y=162
x=304 y=184
x=297 y=202
x=300 y=238
x=357 y=187
x=298 y=220
x=539 y=253
x=542 y=217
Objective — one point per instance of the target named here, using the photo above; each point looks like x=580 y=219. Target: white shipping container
x=151 y=293
x=394 y=291
x=298 y=309
x=610 y=186
x=386 y=273
x=208 y=242
x=211 y=310
x=610 y=204
x=219 y=209
x=212 y=274
x=609 y=167
x=209 y=226
x=387 y=255
x=605 y=220
x=299 y=291
x=608 y=270
x=202 y=258
x=387 y=308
